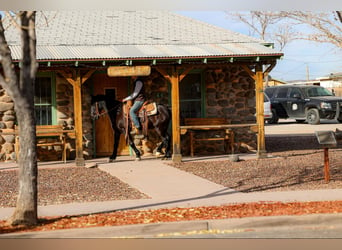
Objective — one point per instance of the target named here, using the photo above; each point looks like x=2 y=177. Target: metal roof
x=130 y=35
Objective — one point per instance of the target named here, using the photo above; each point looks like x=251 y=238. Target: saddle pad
x=151 y=108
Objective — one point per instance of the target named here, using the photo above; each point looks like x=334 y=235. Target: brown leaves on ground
x=120 y=218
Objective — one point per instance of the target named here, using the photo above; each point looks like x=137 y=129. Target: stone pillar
x=7 y=120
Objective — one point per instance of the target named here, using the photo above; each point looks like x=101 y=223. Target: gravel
x=299 y=171
x=68 y=184
x=295 y=165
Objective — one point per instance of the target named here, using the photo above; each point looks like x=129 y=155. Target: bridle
x=105 y=111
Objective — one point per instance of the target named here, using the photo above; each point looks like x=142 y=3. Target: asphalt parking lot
x=291 y=127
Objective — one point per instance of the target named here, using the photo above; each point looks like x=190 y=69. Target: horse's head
x=98 y=106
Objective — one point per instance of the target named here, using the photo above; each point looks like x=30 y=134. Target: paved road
x=292 y=127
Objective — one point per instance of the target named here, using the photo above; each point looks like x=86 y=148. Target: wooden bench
x=194 y=125
x=44 y=133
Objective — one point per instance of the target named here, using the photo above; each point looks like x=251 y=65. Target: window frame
x=202 y=89
x=52 y=77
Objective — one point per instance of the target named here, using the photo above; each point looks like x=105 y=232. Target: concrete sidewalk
x=169 y=187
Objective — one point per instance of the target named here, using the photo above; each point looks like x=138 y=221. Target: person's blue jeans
x=133 y=113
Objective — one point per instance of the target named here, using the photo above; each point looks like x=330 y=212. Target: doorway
x=117 y=87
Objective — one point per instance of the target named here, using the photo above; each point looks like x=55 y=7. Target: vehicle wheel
x=300 y=120
x=312 y=116
x=274 y=119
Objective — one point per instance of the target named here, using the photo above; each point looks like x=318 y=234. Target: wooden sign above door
x=129 y=71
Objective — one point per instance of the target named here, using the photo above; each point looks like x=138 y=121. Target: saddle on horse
x=147 y=109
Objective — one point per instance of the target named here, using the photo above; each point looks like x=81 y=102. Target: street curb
x=155 y=230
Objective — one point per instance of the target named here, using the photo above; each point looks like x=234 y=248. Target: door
x=295 y=104
x=104 y=137
x=280 y=102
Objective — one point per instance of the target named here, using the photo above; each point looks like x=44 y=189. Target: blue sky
x=301 y=58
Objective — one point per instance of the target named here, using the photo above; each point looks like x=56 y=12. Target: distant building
x=273 y=82
x=333 y=82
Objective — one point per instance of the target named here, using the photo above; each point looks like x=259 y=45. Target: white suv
x=267 y=108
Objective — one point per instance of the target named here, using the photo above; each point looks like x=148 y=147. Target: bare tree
x=265 y=25
x=326 y=27
x=21 y=90
x=339 y=15
x=280 y=26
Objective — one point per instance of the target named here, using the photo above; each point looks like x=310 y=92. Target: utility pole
x=307 y=73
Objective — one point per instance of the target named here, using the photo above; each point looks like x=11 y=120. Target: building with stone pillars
x=197 y=69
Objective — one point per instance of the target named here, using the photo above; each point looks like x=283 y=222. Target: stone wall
x=230 y=93
x=7 y=120
x=65 y=116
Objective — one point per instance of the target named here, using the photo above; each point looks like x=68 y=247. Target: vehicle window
x=312 y=92
x=266 y=99
x=282 y=92
x=270 y=91
x=295 y=92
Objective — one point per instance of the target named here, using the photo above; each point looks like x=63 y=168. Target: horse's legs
x=132 y=145
x=165 y=143
x=116 y=145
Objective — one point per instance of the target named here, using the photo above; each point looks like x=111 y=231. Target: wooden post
x=176 y=156
x=78 y=119
x=259 y=99
x=326 y=165
x=259 y=96
x=76 y=82
x=174 y=80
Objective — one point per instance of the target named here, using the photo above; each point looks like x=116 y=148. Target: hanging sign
x=129 y=70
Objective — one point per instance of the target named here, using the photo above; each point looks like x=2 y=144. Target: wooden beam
x=87 y=75
x=249 y=71
x=129 y=70
x=175 y=79
x=176 y=156
x=78 y=119
x=184 y=73
x=164 y=73
x=259 y=98
x=76 y=80
x=68 y=76
x=268 y=70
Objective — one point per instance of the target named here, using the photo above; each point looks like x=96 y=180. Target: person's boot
x=138 y=131
x=139 y=134
x=133 y=131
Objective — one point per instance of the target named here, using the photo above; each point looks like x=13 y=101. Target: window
x=44 y=100
x=282 y=92
x=295 y=92
x=190 y=95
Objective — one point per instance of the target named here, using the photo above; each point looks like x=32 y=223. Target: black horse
x=103 y=104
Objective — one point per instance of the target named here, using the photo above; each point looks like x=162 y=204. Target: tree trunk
x=22 y=93
x=26 y=208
